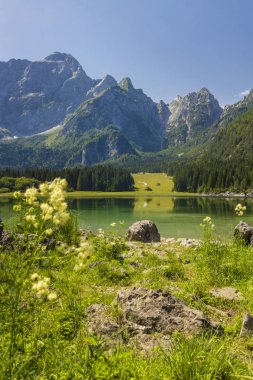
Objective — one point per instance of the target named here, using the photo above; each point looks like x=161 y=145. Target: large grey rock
x=247 y=325
x=244 y=231
x=143 y=313
x=150 y=311
x=144 y=230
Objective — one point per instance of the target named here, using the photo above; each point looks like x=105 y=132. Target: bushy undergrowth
x=46 y=286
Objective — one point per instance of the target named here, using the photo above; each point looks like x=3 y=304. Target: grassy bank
x=46 y=290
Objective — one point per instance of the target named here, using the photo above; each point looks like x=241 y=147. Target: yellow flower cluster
x=239 y=209
x=54 y=209
x=31 y=196
x=207 y=223
x=83 y=253
x=31 y=219
x=46 y=211
x=56 y=191
x=17 y=208
x=41 y=287
x=17 y=194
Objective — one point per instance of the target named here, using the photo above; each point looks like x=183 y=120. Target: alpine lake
x=175 y=217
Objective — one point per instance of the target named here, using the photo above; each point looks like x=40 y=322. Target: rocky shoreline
x=228 y=194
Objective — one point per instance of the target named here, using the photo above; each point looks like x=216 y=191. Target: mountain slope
x=233 y=141
x=226 y=164
x=36 y=96
x=231 y=112
x=130 y=110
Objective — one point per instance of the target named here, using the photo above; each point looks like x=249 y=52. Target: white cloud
x=244 y=93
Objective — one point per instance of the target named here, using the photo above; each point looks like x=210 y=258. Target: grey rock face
x=244 y=231
x=191 y=115
x=247 y=325
x=144 y=230
x=36 y=96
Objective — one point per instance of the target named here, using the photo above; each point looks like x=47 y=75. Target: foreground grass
x=46 y=289
x=51 y=340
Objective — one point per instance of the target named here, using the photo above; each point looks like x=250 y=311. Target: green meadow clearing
x=155 y=184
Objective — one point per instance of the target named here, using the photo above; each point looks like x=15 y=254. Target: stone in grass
x=156 y=311
x=100 y=321
x=144 y=230
x=146 y=319
x=247 y=325
x=244 y=231
x=6 y=238
x=227 y=293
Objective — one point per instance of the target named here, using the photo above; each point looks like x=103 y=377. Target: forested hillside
x=227 y=163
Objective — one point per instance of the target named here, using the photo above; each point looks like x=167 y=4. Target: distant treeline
x=213 y=176
x=150 y=163
x=95 y=178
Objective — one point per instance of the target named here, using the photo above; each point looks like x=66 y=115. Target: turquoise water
x=174 y=217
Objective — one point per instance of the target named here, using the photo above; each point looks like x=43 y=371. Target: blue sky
x=167 y=47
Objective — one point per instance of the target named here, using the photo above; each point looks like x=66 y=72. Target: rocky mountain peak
x=126 y=84
x=191 y=115
x=107 y=82
x=177 y=98
x=59 y=57
x=163 y=108
x=63 y=60
x=204 y=90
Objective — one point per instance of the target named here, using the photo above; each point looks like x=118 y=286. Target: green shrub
x=23 y=183
x=4 y=190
